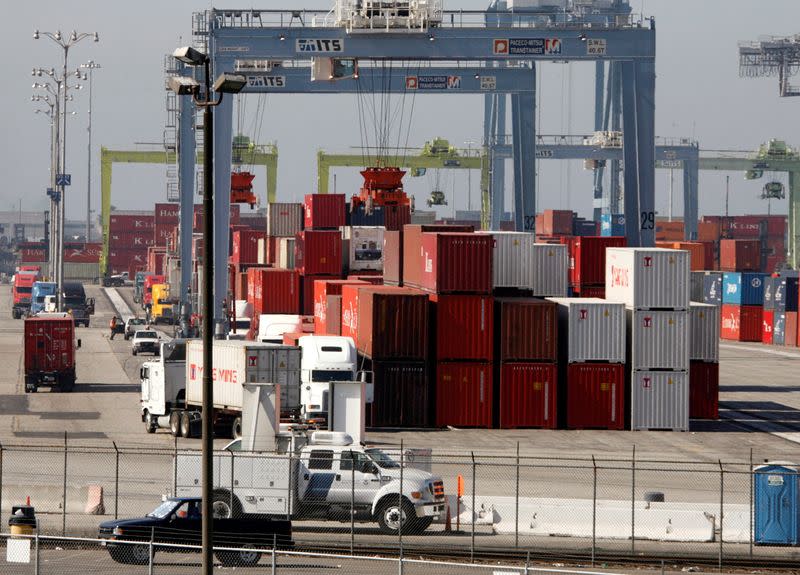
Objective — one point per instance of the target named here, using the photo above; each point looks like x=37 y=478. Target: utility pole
x=91 y=65
x=727 y=193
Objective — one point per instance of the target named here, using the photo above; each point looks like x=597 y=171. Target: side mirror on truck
x=79 y=343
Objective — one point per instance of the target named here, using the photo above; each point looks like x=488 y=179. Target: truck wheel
x=236 y=428
x=391 y=516
x=133 y=351
x=186 y=425
x=150 y=423
x=139 y=554
x=238 y=558
x=224 y=507
x=67 y=384
x=175 y=423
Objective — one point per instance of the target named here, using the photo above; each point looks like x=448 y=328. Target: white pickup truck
x=318 y=479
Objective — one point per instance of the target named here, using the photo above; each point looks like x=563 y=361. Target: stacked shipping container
x=704 y=361
x=742 y=306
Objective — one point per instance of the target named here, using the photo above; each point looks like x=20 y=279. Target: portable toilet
x=776 y=508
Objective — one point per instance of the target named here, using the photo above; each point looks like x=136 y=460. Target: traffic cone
x=28 y=500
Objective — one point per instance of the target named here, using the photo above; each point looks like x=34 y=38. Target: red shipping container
x=121 y=222
x=767 y=319
x=240 y=287
x=50 y=347
x=322 y=289
x=122 y=259
x=131 y=240
x=307 y=294
x=703 y=390
x=790 y=327
x=556 y=223
x=595 y=396
x=198 y=220
x=167 y=214
x=324 y=211
x=464 y=394
x=318 y=252
x=527 y=329
x=271 y=245
x=590 y=291
x=372 y=279
x=79 y=254
x=740 y=255
x=697 y=253
x=528 y=395
x=587 y=258
x=395 y=217
x=456 y=263
x=710 y=255
x=273 y=290
x=741 y=322
x=411 y=251
x=386 y=322
x=464 y=327
x=333 y=319
x=393 y=258
x=245 y=246
x=402 y=396
x=32 y=255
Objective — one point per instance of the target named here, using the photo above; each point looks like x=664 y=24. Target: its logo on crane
x=306 y=45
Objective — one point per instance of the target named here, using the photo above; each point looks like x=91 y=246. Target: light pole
x=65 y=45
x=52 y=113
x=91 y=65
x=185 y=86
x=469 y=144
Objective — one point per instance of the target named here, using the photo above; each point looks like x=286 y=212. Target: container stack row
x=780 y=313
x=653 y=283
x=742 y=305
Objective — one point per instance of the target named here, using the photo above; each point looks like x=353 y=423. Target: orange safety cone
x=28 y=500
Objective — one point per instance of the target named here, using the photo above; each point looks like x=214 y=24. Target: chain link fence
x=588 y=509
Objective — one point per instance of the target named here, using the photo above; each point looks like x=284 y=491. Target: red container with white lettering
x=464 y=394
x=741 y=322
x=131 y=222
x=767 y=318
x=528 y=395
x=322 y=289
x=273 y=290
x=455 y=263
x=740 y=255
x=587 y=258
x=245 y=246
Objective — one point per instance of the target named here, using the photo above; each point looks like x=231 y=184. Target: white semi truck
x=318 y=476
x=325 y=359
x=172 y=386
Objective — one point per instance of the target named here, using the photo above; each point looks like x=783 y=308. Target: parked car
x=178 y=521
x=132 y=325
x=145 y=340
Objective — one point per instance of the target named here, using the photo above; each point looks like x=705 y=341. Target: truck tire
x=391 y=515
x=175 y=423
x=224 y=506
x=236 y=428
x=30 y=385
x=150 y=423
x=67 y=383
x=238 y=558
x=186 y=425
x=133 y=351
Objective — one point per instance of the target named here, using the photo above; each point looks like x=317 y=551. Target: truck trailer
x=50 y=346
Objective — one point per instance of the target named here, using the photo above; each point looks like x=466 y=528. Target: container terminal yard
x=361 y=378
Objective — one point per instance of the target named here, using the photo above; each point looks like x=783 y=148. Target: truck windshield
x=74 y=300
x=141 y=334
x=383 y=460
x=331 y=375
x=22 y=289
x=163 y=510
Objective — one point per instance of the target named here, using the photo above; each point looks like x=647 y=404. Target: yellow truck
x=161 y=310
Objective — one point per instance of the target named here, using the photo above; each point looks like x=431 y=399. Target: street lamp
x=184 y=86
x=65 y=45
x=91 y=65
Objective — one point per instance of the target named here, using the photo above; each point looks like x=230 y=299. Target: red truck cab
x=147 y=289
x=50 y=346
x=21 y=292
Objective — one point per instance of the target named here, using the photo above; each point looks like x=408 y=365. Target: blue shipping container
x=359 y=217
x=712 y=288
x=776 y=508
x=612 y=225
x=779 y=328
x=791 y=295
x=743 y=288
x=769 y=293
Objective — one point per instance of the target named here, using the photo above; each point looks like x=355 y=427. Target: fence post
x=36 y=552
x=274 y=566
x=472 y=535
x=633 y=501
x=233 y=461
x=1 y=483
x=516 y=504
x=151 y=552
x=400 y=524
x=175 y=469
x=527 y=562
x=352 y=503
x=116 y=480
x=64 y=492
x=594 y=509
x=750 y=517
x=721 y=510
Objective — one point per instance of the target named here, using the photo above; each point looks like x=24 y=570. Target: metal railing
x=592 y=508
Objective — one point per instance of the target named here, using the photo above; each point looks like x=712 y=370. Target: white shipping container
x=704 y=320
x=84 y=271
x=591 y=329
x=660 y=400
x=284 y=219
x=286 y=253
x=659 y=339
x=237 y=362
x=648 y=278
x=363 y=247
x=549 y=270
x=512 y=259
x=261 y=251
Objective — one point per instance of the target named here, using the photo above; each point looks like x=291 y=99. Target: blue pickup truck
x=177 y=523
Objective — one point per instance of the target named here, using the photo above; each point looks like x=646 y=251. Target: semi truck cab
x=325 y=359
x=39 y=293
x=21 y=291
x=161 y=308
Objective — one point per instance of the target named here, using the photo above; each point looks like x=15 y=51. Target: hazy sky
x=699 y=94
